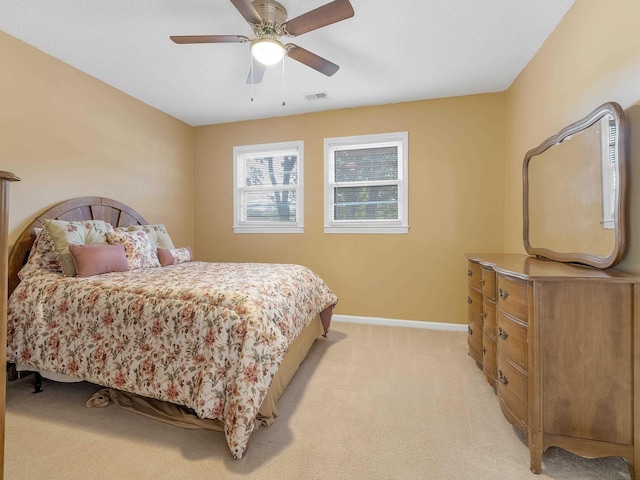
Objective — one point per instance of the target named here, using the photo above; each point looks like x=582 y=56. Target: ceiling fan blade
x=256 y=73
x=183 y=39
x=311 y=60
x=325 y=15
x=246 y=9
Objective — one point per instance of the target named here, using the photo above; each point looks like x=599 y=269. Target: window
x=366 y=184
x=267 y=190
x=609 y=157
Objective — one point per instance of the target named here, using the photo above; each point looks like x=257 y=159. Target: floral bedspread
x=209 y=336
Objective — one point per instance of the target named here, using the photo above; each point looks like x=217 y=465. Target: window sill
x=396 y=230
x=268 y=229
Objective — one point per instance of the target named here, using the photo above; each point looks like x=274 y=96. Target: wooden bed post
x=5 y=178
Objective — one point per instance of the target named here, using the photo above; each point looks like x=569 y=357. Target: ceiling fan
x=268 y=20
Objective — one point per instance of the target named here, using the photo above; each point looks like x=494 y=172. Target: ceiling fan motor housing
x=272 y=13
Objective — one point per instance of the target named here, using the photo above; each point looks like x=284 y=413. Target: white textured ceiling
x=390 y=51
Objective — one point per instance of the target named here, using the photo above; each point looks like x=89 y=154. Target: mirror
x=574 y=192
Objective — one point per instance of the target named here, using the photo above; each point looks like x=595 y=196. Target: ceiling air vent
x=316 y=96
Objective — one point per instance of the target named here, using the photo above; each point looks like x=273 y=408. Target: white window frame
x=241 y=152
x=399 y=226
x=609 y=162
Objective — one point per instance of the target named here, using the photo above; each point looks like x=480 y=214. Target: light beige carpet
x=369 y=403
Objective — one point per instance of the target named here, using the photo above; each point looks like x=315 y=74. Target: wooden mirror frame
x=586 y=258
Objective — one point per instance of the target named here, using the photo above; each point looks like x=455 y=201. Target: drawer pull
x=483 y=282
x=470 y=331
x=484 y=350
x=503 y=378
x=502 y=333
x=469 y=273
x=484 y=314
x=469 y=300
x=503 y=294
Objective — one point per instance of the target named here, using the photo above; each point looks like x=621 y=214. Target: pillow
x=169 y=256
x=42 y=257
x=137 y=248
x=95 y=259
x=63 y=233
x=157 y=233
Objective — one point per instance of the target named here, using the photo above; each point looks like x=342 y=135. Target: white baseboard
x=390 y=322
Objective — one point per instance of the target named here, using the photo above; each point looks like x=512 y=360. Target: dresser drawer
x=489 y=317
x=474 y=276
x=474 y=302
x=512 y=339
x=512 y=297
x=489 y=283
x=489 y=359
x=512 y=386
x=511 y=417
x=475 y=340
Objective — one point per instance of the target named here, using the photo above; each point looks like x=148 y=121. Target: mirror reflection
x=573 y=188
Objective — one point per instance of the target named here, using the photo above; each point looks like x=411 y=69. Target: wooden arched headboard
x=83 y=208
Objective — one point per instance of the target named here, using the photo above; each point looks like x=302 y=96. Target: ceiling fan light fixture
x=267 y=51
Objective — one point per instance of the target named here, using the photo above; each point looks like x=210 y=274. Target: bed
x=222 y=340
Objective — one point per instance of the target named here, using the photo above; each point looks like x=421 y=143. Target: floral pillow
x=63 y=233
x=157 y=234
x=137 y=248
x=174 y=256
x=42 y=257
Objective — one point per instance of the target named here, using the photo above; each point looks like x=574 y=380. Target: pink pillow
x=174 y=256
x=95 y=259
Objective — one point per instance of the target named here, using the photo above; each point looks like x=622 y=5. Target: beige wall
x=66 y=134
x=456 y=164
x=592 y=57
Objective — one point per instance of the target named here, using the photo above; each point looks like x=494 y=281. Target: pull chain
x=283 y=103
x=251 y=75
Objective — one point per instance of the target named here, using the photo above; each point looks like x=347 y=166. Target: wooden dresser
x=559 y=343
x=5 y=179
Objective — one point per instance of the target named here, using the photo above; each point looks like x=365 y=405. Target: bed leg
x=38 y=383
x=12 y=373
